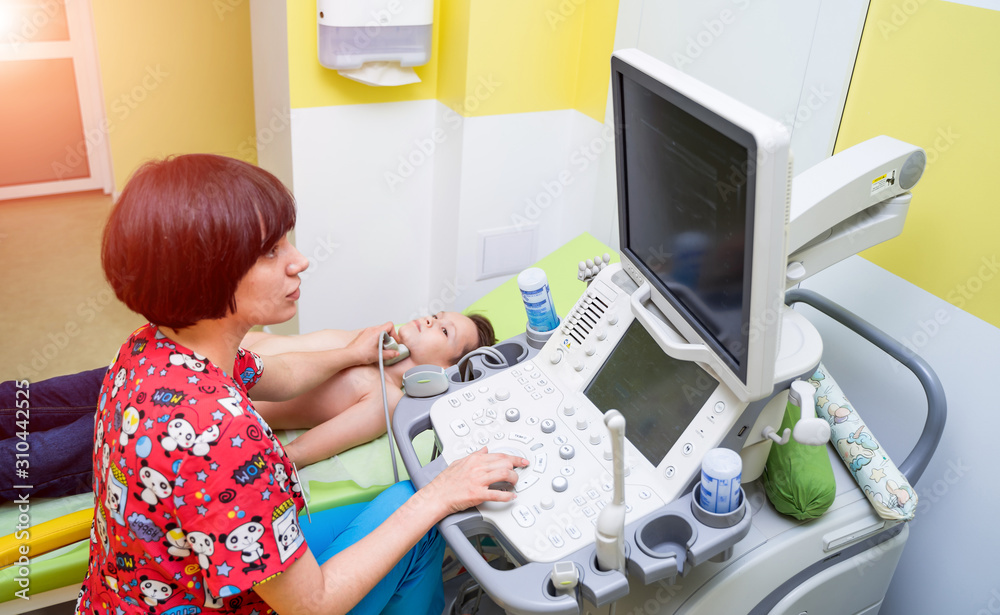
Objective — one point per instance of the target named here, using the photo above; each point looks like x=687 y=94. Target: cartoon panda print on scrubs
x=246 y=540
x=233 y=403
x=157 y=487
x=130 y=424
x=120 y=377
x=203 y=545
x=194 y=361
x=287 y=533
x=181 y=434
x=155 y=592
x=177 y=543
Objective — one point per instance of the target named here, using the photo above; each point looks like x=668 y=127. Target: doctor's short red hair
x=185 y=231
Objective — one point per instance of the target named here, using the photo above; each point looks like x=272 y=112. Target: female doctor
x=196 y=502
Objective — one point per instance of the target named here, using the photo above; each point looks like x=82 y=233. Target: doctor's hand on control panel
x=467 y=482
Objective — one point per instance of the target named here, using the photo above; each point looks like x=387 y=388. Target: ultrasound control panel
x=549 y=410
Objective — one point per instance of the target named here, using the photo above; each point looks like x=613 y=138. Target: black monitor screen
x=658 y=395
x=687 y=210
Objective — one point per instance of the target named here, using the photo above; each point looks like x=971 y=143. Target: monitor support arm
x=849 y=202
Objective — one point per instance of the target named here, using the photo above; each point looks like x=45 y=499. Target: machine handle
x=521 y=590
x=937 y=405
x=668 y=340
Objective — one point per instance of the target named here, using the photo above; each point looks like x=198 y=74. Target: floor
x=57 y=313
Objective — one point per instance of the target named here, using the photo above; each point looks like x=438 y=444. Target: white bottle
x=537 y=300
x=721 y=470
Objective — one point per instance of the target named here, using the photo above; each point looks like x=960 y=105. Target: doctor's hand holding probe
x=196 y=501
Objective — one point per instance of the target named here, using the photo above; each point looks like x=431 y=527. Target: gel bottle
x=537 y=300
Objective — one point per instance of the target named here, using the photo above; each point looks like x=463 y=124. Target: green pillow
x=798 y=478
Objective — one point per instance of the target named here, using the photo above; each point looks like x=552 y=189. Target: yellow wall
x=928 y=72
x=488 y=58
x=178 y=78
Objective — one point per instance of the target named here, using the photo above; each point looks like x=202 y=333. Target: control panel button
x=548 y=426
x=512 y=415
x=548 y=503
x=589 y=349
x=578 y=363
x=549 y=390
x=502 y=395
x=526 y=481
x=520 y=437
x=590 y=512
x=469 y=396
x=595 y=438
x=608 y=454
x=460 y=427
x=645 y=494
x=566 y=451
x=484 y=389
x=688 y=449
x=529 y=367
x=560 y=440
x=567 y=470
x=720 y=406
x=536 y=395
x=582 y=423
x=670 y=471
x=569 y=409
x=602 y=334
x=593 y=494
x=523 y=516
x=531 y=420
x=541 y=461
x=573 y=532
x=556 y=356
x=579 y=500
x=559 y=484
x=454 y=402
x=612 y=317
x=556 y=540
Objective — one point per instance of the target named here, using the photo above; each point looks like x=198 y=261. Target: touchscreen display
x=658 y=395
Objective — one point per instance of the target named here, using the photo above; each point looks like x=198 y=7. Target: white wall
x=426 y=181
x=790 y=59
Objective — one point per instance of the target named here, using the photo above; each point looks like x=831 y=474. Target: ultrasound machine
x=690 y=341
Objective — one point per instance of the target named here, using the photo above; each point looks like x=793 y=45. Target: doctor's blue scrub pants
x=413 y=585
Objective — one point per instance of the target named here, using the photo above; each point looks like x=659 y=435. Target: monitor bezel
x=767 y=144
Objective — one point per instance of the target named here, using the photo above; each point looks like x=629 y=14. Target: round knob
x=590 y=349
x=582 y=423
x=556 y=356
x=503 y=394
x=566 y=451
x=608 y=454
x=512 y=414
x=612 y=318
x=569 y=409
x=602 y=334
x=559 y=484
x=548 y=426
x=548 y=503
x=595 y=438
x=578 y=364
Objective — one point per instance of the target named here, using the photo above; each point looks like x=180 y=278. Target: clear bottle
x=537 y=299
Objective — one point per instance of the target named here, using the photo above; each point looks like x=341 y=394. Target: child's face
x=440 y=339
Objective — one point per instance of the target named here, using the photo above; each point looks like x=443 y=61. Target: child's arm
x=360 y=423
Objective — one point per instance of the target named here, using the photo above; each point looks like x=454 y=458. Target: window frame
x=81 y=48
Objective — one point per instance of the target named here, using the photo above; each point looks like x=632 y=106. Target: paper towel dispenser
x=356 y=32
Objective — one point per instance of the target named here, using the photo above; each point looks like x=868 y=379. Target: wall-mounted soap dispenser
x=353 y=33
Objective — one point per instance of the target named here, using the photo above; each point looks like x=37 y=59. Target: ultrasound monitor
x=703 y=193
